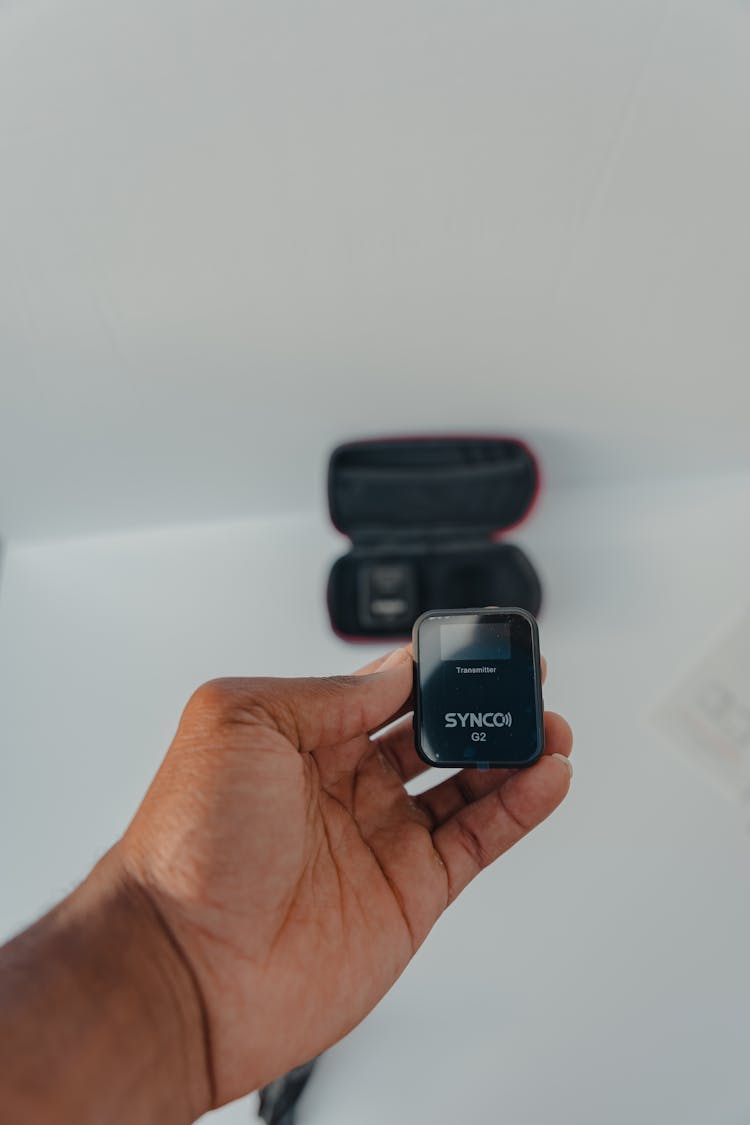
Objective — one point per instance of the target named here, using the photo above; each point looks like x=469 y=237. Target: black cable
x=278 y=1100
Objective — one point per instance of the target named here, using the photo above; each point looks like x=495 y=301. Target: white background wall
x=235 y=233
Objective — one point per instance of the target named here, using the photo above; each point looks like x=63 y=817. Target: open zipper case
x=424 y=516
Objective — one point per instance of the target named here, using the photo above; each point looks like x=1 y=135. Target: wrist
x=123 y=1034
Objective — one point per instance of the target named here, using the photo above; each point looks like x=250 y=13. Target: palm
x=314 y=876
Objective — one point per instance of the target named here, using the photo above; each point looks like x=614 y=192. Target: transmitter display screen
x=478 y=699
x=475 y=642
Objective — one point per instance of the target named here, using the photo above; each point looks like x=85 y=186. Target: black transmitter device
x=478 y=688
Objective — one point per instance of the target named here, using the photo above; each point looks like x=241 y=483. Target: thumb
x=317 y=711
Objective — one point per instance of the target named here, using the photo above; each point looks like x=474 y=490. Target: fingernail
x=567 y=761
x=397 y=657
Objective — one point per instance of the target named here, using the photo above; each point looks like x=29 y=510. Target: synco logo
x=478 y=719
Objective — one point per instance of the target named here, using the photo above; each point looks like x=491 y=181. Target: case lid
x=430 y=485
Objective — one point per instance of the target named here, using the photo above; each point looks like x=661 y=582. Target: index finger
x=482 y=830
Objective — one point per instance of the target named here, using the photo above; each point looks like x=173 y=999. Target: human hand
x=293 y=872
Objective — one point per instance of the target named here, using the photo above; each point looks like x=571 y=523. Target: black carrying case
x=424 y=515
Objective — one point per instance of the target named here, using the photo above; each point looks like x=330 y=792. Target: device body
x=478 y=688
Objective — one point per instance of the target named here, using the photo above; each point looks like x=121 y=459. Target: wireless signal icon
x=503 y=719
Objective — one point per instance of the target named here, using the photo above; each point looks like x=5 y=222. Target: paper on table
x=707 y=713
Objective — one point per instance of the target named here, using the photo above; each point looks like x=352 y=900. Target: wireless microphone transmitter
x=478 y=688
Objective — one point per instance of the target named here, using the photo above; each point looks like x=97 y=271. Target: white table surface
x=597 y=974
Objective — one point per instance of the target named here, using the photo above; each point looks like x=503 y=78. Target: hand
x=292 y=870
